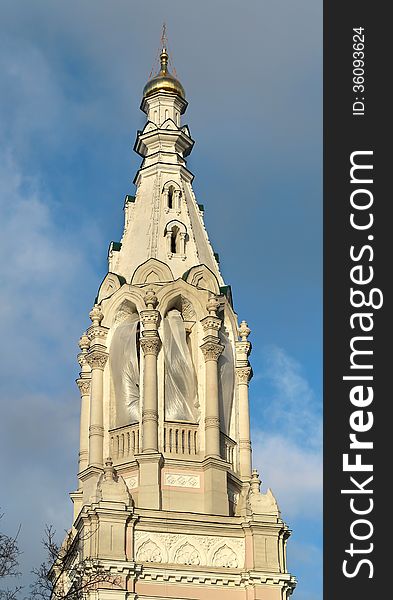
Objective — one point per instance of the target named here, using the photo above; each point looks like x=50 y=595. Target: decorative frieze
x=190 y=549
x=182 y=480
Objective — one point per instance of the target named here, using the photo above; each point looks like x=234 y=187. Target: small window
x=170 y=196
x=175 y=240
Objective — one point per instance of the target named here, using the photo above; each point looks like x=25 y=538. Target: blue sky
x=71 y=75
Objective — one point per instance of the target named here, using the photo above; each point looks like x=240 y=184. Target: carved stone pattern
x=227 y=552
x=211 y=323
x=225 y=557
x=82 y=359
x=149 y=316
x=122 y=315
x=96 y=430
x=243 y=374
x=212 y=350
x=187 y=310
x=97 y=332
x=243 y=348
x=149 y=552
x=180 y=480
x=132 y=482
x=84 y=386
x=212 y=422
x=149 y=415
x=187 y=555
x=97 y=359
x=150 y=345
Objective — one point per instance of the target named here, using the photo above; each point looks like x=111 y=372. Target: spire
x=164 y=81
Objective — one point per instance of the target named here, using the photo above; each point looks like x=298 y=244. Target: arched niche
x=127 y=296
x=180 y=361
x=124 y=363
x=110 y=284
x=169 y=296
x=175 y=235
x=152 y=271
x=172 y=195
x=203 y=278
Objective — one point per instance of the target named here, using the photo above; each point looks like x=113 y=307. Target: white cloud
x=287 y=450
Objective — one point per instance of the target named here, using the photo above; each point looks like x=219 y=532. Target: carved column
x=212 y=349
x=244 y=374
x=84 y=387
x=96 y=359
x=150 y=344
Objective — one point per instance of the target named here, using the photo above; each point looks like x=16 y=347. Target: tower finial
x=164 y=37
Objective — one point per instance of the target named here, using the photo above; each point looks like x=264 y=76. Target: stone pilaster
x=150 y=344
x=150 y=461
x=84 y=383
x=243 y=376
x=212 y=349
x=96 y=359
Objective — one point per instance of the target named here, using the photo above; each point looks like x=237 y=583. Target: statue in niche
x=124 y=363
x=181 y=395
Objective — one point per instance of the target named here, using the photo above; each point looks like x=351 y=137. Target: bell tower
x=167 y=498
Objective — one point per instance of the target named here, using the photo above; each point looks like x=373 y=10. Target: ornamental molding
x=243 y=374
x=96 y=430
x=212 y=350
x=181 y=480
x=150 y=345
x=84 y=386
x=96 y=359
x=97 y=331
x=132 y=481
x=211 y=322
x=190 y=549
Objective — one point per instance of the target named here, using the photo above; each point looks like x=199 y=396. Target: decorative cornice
x=244 y=375
x=212 y=350
x=97 y=359
x=150 y=345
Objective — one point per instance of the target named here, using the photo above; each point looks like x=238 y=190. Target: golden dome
x=164 y=80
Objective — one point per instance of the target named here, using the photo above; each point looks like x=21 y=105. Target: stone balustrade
x=124 y=442
x=181 y=438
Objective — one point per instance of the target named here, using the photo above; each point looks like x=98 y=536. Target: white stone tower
x=166 y=490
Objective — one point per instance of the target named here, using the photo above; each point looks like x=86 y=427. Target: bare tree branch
x=64 y=575
x=9 y=563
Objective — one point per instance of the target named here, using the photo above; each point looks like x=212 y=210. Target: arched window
x=175 y=233
x=175 y=240
x=171 y=190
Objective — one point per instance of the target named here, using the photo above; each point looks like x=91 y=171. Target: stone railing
x=181 y=438
x=228 y=449
x=124 y=442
